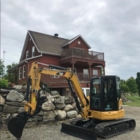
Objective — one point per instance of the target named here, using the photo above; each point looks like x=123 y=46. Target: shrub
x=3 y=83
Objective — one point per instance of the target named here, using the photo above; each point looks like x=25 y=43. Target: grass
x=135 y=101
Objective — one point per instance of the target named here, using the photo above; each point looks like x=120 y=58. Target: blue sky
x=109 y=26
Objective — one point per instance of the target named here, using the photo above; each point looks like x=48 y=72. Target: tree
x=138 y=82
x=1 y=68
x=123 y=86
x=10 y=76
x=131 y=83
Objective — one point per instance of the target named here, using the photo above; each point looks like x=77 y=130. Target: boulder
x=14 y=96
x=60 y=106
x=50 y=98
x=68 y=107
x=19 y=104
x=21 y=109
x=6 y=117
x=54 y=92
x=78 y=116
x=60 y=100
x=40 y=113
x=49 y=115
x=60 y=114
x=9 y=109
x=2 y=100
x=46 y=106
x=69 y=100
x=18 y=86
x=71 y=114
x=74 y=105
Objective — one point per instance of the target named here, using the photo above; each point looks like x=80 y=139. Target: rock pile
x=55 y=107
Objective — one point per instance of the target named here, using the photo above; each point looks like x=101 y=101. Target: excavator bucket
x=79 y=132
x=16 y=124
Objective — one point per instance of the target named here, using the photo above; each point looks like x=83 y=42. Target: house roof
x=47 y=43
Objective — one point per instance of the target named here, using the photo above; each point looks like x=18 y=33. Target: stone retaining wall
x=54 y=108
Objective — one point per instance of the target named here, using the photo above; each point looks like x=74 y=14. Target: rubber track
x=101 y=126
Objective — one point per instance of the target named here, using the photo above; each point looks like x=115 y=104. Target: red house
x=62 y=52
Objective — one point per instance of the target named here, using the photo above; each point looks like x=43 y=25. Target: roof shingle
x=47 y=43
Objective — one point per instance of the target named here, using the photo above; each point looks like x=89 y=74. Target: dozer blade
x=80 y=132
x=16 y=124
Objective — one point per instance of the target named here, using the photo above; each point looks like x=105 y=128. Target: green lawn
x=135 y=101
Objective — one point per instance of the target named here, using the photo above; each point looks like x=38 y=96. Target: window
x=33 y=51
x=27 y=54
x=95 y=99
x=20 y=72
x=23 y=72
x=95 y=72
x=85 y=73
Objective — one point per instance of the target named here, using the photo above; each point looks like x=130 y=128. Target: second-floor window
x=85 y=73
x=27 y=54
x=33 y=51
x=23 y=72
x=20 y=72
x=95 y=72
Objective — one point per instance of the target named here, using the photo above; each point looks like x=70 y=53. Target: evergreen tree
x=138 y=82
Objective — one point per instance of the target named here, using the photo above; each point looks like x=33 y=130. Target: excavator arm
x=33 y=101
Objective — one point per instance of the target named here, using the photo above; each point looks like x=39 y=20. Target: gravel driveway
x=52 y=131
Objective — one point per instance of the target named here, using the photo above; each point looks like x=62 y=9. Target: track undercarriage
x=91 y=129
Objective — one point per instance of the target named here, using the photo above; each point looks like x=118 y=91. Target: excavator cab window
x=95 y=95
x=104 y=94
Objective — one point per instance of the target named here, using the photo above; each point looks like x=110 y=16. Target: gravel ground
x=52 y=131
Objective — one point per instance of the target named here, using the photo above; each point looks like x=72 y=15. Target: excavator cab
x=105 y=93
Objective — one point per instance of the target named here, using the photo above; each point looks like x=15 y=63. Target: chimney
x=55 y=35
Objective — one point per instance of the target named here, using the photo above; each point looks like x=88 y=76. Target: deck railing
x=53 y=79
x=75 y=52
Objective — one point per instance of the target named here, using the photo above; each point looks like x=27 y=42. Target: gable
x=28 y=44
x=78 y=42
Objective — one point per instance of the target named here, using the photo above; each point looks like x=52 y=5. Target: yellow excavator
x=102 y=113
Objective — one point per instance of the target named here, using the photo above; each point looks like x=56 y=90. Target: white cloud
x=112 y=27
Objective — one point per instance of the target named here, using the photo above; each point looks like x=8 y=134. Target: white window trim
x=20 y=72
x=27 y=54
x=23 y=71
x=33 y=51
